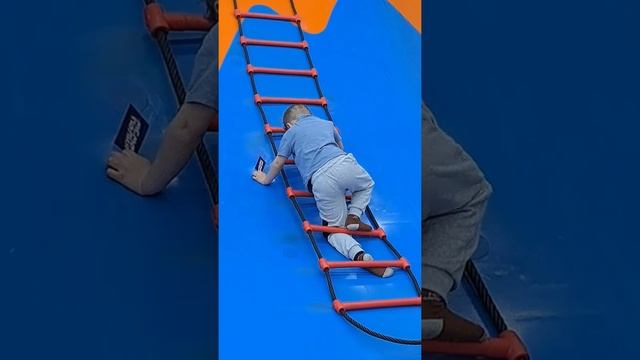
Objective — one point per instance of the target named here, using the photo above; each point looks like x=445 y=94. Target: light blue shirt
x=203 y=88
x=311 y=142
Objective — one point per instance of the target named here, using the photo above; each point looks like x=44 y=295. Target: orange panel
x=315 y=16
x=411 y=10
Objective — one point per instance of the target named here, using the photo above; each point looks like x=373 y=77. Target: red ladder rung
x=304 y=194
x=186 y=22
x=379 y=233
x=286 y=44
x=252 y=15
x=276 y=71
x=342 y=307
x=298 y=193
x=283 y=100
x=157 y=20
x=401 y=263
x=268 y=129
x=506 y=346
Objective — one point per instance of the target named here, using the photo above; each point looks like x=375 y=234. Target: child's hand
x=260 y=177
x=130 y=170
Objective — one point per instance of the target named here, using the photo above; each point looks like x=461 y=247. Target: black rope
x=472 y=275
x=207 y=166
x=296 y=203
x=332 y=291
x=212 y=11
x=378 y=335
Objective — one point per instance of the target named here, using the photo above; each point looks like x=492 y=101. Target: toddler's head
x=293 y=113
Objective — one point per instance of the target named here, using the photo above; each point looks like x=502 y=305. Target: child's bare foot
x=353 y=223
x=439 y=323
x=129 y=169
x=382 y=272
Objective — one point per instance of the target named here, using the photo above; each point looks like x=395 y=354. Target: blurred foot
x=353 y=223
x=381 y=271
x=438 y=323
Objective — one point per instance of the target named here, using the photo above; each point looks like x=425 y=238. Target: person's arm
x=181 y=139
x=274 y=170
x=284 y=152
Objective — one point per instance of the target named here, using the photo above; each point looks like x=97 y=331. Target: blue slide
x=273 y=296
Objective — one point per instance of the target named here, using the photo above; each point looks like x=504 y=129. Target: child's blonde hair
x=293 y=113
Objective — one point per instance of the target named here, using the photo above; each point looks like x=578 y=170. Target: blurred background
x=544 y=95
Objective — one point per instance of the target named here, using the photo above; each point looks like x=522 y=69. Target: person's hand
x=260 y=177
x=129 y=169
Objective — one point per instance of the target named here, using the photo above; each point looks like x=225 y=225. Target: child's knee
x=485 y=190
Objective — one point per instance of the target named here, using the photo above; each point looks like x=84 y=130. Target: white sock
x=387 y=272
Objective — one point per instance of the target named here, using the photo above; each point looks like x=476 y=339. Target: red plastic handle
x=258 y=99
x=285 y=44
x=268 y=129
x=342 y=307
x=158 y=21
x=304 y=194
x=401 y=263
x=276 y=71
x=251 y=15
x=507 y=346
x=185 y=22
x=379 y=233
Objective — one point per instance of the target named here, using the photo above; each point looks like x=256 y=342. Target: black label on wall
x=132 y=131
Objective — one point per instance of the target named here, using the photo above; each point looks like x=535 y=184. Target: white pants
x=330 y=184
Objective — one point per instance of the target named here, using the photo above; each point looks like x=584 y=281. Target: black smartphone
x=132 y=131
x=260 y=164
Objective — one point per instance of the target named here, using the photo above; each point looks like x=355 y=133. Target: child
x=329 y=172
x=183 y=134
x=454 y=199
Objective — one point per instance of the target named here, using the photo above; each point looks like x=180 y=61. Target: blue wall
x=87 y=269
x=544 y=94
